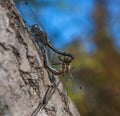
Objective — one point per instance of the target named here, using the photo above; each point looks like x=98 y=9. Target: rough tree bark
x=19 y=64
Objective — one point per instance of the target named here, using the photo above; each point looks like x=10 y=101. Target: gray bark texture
x=23 y=77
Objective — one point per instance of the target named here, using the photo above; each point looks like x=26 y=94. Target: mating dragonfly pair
x=41 y=39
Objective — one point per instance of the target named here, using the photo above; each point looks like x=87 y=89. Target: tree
x=23 y=78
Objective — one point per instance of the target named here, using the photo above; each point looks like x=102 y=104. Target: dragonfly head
x=34 y=28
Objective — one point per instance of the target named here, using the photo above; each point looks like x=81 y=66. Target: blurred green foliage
x=98 y=74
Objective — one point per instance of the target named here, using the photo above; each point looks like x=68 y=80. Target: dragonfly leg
x=49 y=94
x=52 y=79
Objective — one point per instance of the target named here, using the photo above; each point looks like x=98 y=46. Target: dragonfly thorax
x=39 y=34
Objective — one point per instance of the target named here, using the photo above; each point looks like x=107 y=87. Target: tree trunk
x=23 y=77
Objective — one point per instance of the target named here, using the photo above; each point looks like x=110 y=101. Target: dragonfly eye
x=36 y=26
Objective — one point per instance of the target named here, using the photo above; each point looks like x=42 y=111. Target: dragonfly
x=43 y=42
